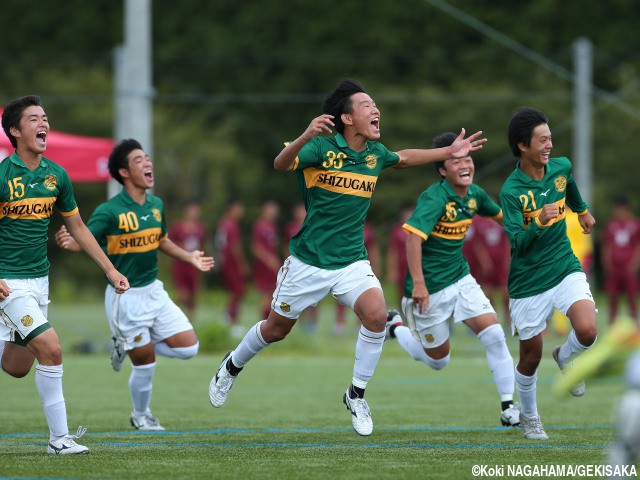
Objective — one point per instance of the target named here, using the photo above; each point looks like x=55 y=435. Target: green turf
x=284 y=417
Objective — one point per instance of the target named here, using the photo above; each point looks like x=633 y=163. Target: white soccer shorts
x=143 y=314
x=529 y=315
x=300 y=285
x=25 y=310
x=462 y=300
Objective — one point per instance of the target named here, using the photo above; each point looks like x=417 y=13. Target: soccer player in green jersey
x=438 y=283
x=30 y=186
x=337 y=176
x=131 y=228
x=544 y=273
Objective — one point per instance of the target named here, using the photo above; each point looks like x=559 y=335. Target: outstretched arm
x=460 y=148
x=284 y=160
x=87 y=242
x=195 y=258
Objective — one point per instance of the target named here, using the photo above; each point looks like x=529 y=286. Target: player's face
x=33 y=131
x=459 y=171
x=364 y=116
x=539 y=149
x=140 y=169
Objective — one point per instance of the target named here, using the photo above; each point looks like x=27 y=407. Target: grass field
x=284 y=417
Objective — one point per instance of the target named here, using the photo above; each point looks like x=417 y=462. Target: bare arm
x=87 y=242
x=284 y=160
x=195 y=258
x=460 y=148
x=420 y=293
x=4 y=290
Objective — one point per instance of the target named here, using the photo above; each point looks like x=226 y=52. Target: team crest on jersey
x=50 y=182
x=560 y=183
x=27 y=321
x=473 y=204
x=285 y=307
x=137 y=338
x=156 y=214
x=371 y=161
x=429 y=338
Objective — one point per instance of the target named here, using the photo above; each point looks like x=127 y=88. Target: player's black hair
x=622 y=200
x=13 y=113
x=339 y=101
x=443 y=140
x=521 y=127
x=118 y=157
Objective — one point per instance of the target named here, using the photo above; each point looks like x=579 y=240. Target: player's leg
x=611 y=287
x=298 y=287
x=631 y=288
x=357 y=287
x=500 y=362
x=26 y=311
x=426 y=336
x=573 y=298
x=171 y=332
x=143 y=361
x=529 y=319
x=15 y=360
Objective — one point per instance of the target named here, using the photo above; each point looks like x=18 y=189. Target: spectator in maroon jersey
x=234 y=266
x=191 y=234
x=621 y=257
x=265 y=242
x=492 y=254
x=397 y=251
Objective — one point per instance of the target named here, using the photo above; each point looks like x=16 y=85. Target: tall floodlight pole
x=583 y=124
x=133 y=88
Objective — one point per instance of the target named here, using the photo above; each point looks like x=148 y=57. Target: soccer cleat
x=510 y=417
x=221 y=383
x=67 y=445
x=360 y=414
x=532 y=427
x=118 y=354
x=145 y=422
x=393 y=318
x=579 y=388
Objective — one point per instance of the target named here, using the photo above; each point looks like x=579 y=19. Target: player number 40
x=128 y=222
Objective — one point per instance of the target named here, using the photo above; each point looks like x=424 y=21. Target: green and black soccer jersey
x=27 y=199
x=336 y=184
x=442 y=218
x=541 y=255
x=130 y=235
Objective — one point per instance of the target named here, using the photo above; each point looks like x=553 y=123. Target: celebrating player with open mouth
x=337 y=176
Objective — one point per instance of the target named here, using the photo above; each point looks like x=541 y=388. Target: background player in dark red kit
x=265 y=244
x=621 y=257
x=235 y=267
x=191 y=234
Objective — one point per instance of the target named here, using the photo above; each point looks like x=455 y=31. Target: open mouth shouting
x=41 y=138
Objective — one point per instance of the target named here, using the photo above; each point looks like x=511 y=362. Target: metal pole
x=134 y=91
x=583 y=125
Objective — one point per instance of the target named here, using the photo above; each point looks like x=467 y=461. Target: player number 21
x=525 y=201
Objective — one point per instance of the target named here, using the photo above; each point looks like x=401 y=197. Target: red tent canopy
x=84 y=158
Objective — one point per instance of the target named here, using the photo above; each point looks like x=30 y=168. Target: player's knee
x=491 y=335
x=440 y=363
x=186 y=353
x=587 y=335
